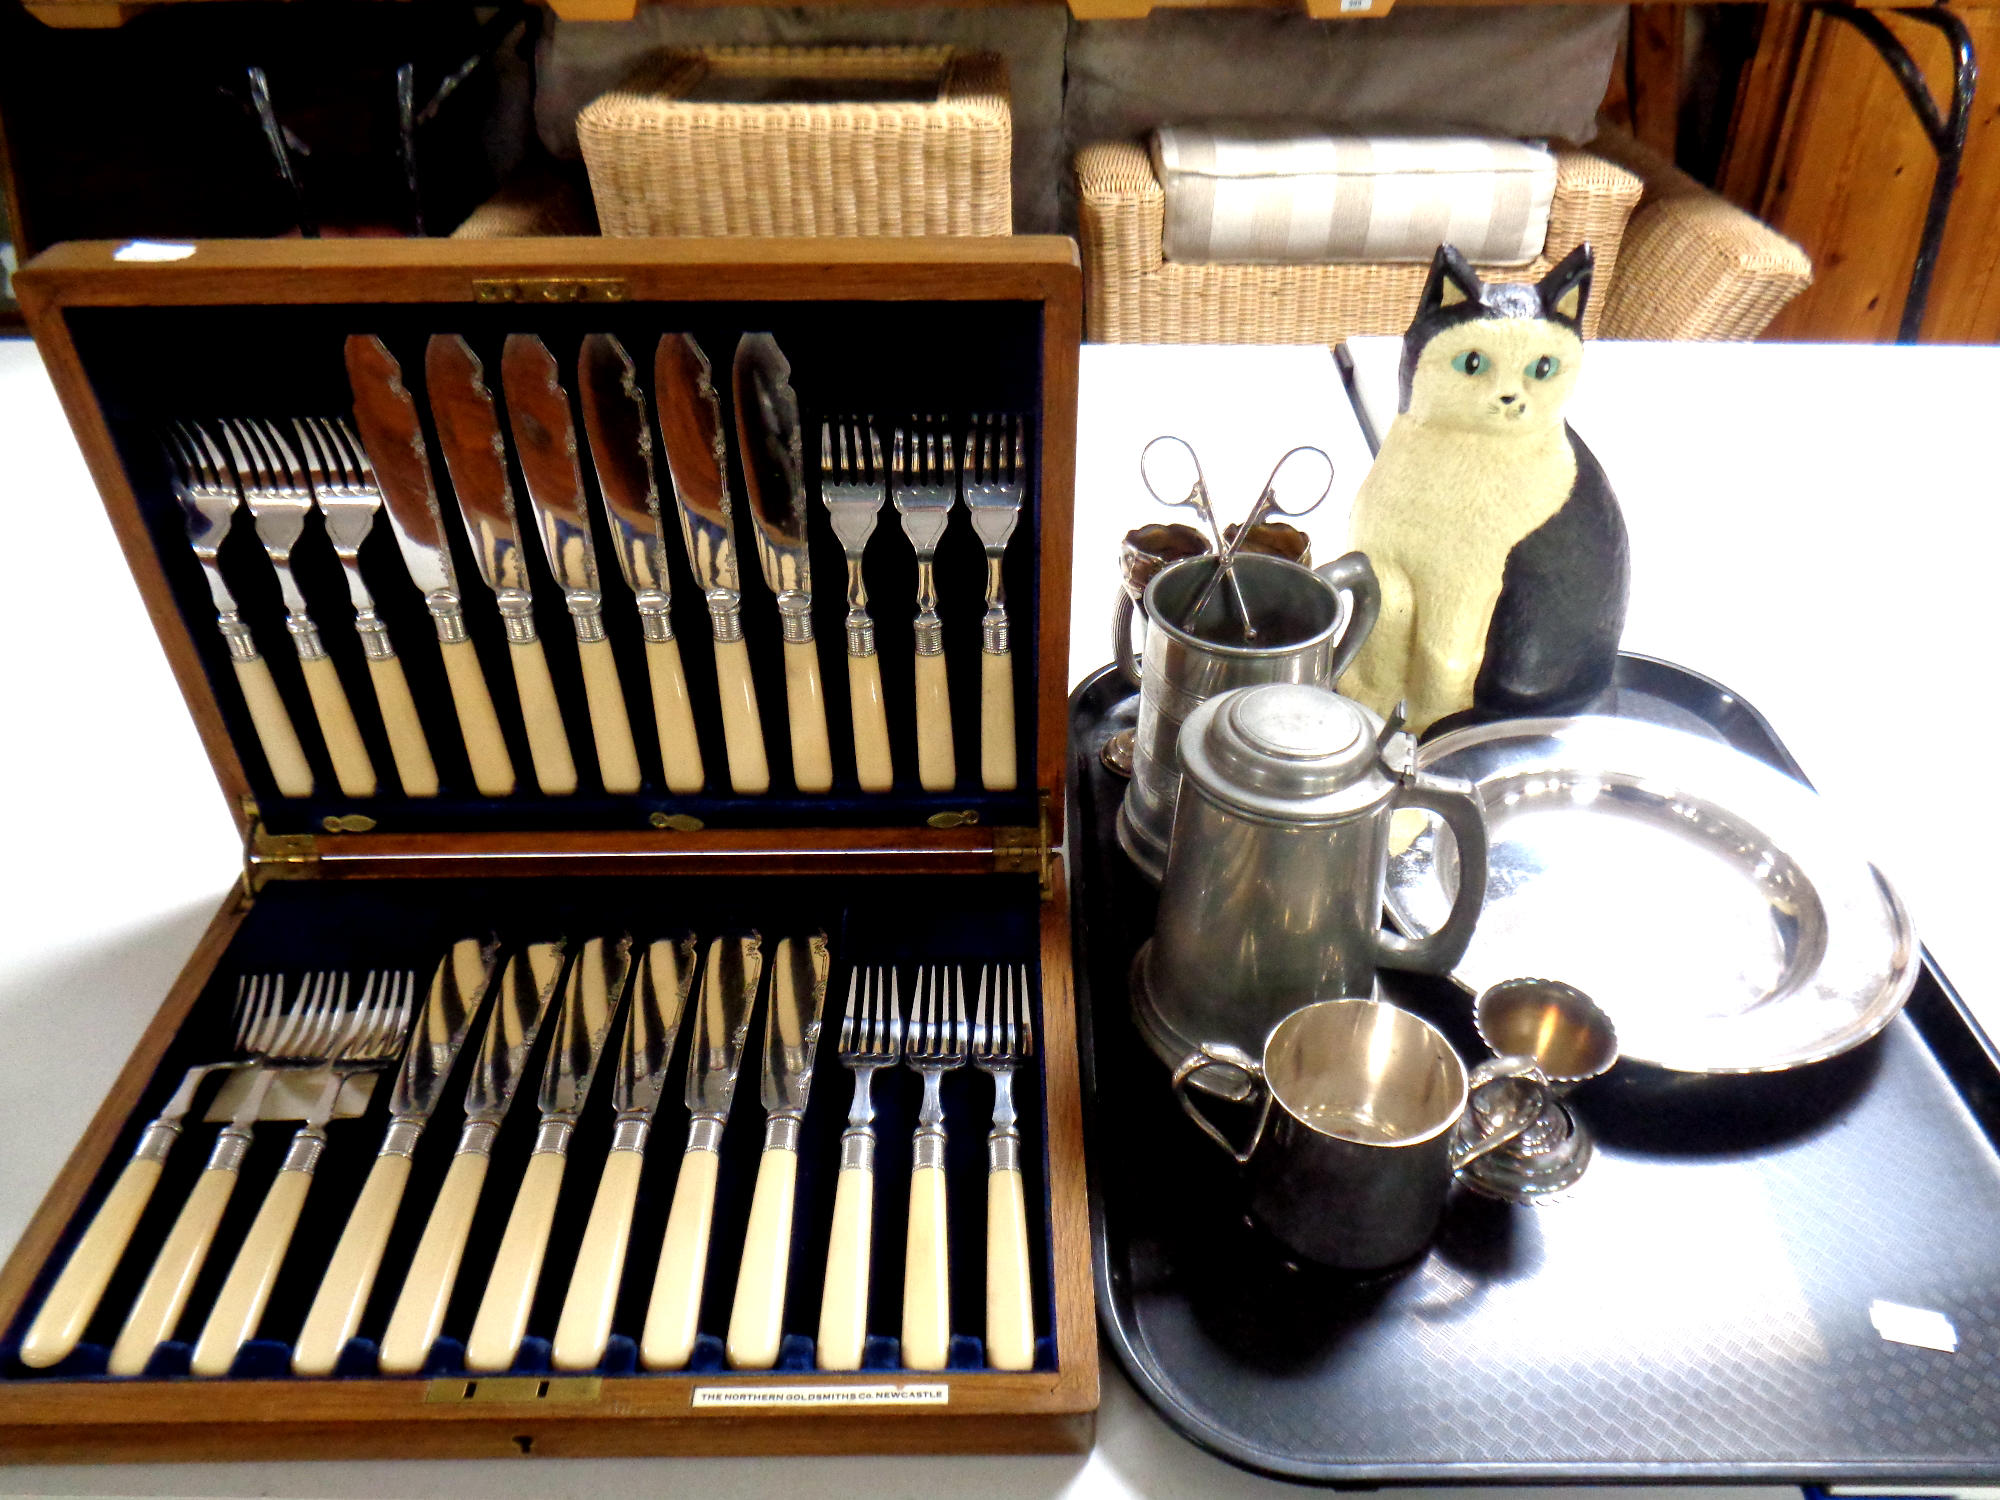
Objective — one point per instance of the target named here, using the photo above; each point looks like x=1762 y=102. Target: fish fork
x=264 y=467
x=926 y=485
x=370 y=1040
x=59 y=1326
x=853 y=484
x=338 y=475
x=205 y=485
x=871 y=1037
x=995 y=474
x=936 y=1045
x=1002 y=1039
x=300 y=1041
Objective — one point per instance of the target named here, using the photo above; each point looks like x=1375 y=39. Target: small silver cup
x=1362 y=1126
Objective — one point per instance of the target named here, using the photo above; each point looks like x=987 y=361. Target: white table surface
x=1823 y=478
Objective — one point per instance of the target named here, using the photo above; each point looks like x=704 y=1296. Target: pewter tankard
x=1310 y=626
x=1273 y=892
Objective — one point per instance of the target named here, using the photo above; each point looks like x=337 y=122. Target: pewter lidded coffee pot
x=1273 y=890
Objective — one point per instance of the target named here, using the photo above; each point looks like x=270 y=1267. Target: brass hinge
x=1026 y=851
x=271 y=856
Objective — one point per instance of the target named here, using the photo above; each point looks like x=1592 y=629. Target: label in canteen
x=897 y=1394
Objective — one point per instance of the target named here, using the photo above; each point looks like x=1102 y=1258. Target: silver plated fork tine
x=962 y=1034
x=328 y=447
x=979 y=1023
x=274 y=440
x=1027 y=1024
x=239 y=446
x=316 y=466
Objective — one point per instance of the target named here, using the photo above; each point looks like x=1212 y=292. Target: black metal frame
x=1945 y=131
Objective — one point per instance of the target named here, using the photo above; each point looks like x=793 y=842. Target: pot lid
x=1276 y=746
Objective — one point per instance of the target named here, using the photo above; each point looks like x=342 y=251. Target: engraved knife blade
x=596 y=989
x=457 y=991
x=767 y=437
x=722 y=1023
x=792 y=1023
x=659 y=1003
x=519 y=1007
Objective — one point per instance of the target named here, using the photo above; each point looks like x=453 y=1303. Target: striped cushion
x=1264 y=195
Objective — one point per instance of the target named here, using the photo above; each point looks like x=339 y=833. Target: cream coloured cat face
x=1496 y=375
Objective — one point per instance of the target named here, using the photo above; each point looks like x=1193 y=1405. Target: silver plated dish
x=1710 y=904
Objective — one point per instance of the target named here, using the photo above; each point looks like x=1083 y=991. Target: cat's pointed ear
x=1566 y=289
x=1452 y=281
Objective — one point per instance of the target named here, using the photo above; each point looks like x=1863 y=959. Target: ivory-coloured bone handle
x=585 y=1326
x=351 y=767
x=742 y=731
x=164 y=1296
x=871 y=724
x=420 y=1307
x=927 y=1275
x=1010 y=1318
x=610 y=725
x=937 y=763
x=343 y=1291
x=58 y=1327
x=673 y=1314
x=517 y=1270
x=673 y=717
x=548 y=742
x=843 y=1305
x=757 y=1320
x=412 y=752
x=492 y=770
x=239 y=1307
x=280 y=742
x=996 y=721
x=805 y=708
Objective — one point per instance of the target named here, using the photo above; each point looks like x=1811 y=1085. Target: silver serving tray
x=1709 y=903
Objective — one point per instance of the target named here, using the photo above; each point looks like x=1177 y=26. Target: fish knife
x=456 y=995
x=652 y=1030
x=767 y=437
x=697 y=458
x=791 y=1041
x=596 y=990
x=394 y=441
x=513 y=1021
x=621 y=447
x=545 y=440
x=722 y=1025
x=476 y=455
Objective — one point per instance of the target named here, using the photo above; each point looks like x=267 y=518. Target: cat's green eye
x=1469 y=363
x=1544 y=367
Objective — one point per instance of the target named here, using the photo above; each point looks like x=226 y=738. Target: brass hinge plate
x=1026 y=851
x=271 y=856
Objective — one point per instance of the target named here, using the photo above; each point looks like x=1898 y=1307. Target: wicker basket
x=664 y=160
x=1132 y=295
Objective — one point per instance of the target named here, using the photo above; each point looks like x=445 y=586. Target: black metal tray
x=1698 y=1308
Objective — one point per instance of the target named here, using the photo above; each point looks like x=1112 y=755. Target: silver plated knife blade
x=386 y=414
x=545 y=439
x=515 y=1020
x=457 y=992
x=621 y=449
x=475 y=455
x=767 y=436
x=596 y=988
x=652 y=1026
x=722 y=1023
x=792 y=1022
x=697 y=457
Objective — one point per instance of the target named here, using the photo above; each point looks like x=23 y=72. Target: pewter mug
x=1310 y=626
x=1361 y=1128
x=1273 y=892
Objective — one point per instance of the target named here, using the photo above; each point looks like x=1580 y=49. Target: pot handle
x=1354 y=575
x=1457 y=802
x=1210 y=1055
x=1121 y=638
x=1469 y=1142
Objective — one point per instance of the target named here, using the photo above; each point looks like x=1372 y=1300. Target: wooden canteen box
x=898 y=333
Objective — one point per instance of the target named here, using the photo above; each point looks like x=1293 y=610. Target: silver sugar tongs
x=1267 y=506
x=1196 y=500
